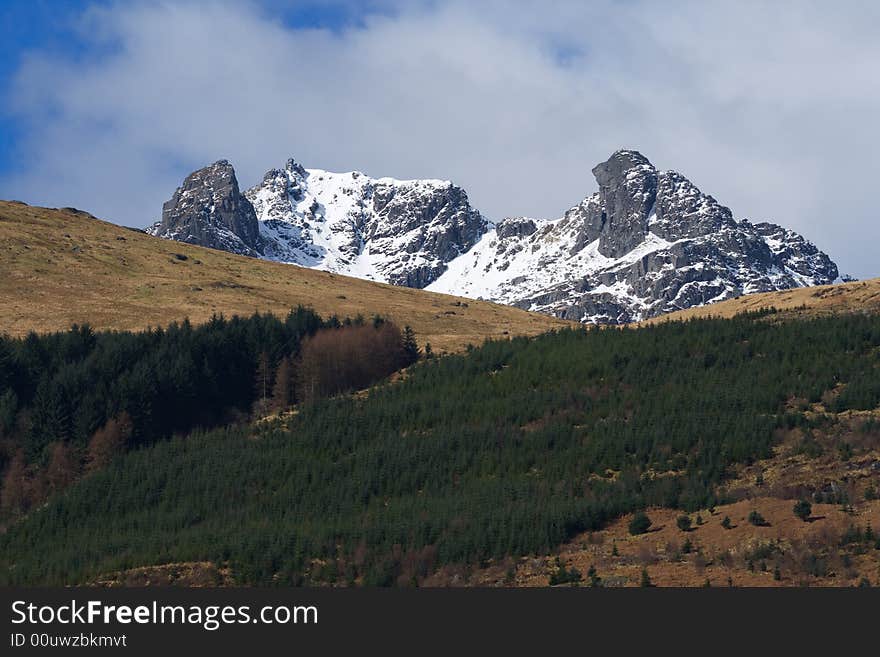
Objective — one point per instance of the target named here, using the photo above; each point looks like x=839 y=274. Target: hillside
x=61 y=267
x=507 y=455
x=858 y=296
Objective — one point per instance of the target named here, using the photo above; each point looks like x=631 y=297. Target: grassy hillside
x=60 y=267
x=858 y=296
x=509 y=450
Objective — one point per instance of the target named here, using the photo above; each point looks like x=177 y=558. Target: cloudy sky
x=771 y=107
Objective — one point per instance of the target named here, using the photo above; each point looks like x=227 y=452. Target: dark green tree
x=410 y=346
x=803 y=509
x=639 y=524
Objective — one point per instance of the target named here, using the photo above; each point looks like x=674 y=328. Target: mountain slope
x=648 y=242
x=65 y=266
x=852 y=297
x=498 y=456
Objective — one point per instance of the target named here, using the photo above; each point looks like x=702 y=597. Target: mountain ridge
x=648 y=242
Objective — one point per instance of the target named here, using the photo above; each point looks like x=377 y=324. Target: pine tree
x=803 y=509
x=639 y=524
x=410 y=346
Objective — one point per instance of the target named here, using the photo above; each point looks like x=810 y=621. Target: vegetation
x=510 y=449
x=803 y=509
x=683 y=522
x=639 y=524
x=566 y=576
x=756 y=519
x=77 y=400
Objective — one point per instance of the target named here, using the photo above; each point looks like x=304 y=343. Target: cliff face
x=208 y=209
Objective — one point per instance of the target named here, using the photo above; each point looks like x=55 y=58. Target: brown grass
x=194 y=574
x=859 y=296
x=59 y=267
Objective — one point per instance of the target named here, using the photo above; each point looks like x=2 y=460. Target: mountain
x=402 y=232
x=209 y=210
x=647 y=242
x=64 y=266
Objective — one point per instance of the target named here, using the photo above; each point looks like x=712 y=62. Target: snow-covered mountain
x=648 y=242
x=402 y=232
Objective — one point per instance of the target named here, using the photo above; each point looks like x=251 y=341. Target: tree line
x=71 y=402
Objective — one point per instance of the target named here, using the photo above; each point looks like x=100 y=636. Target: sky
x=770 y=107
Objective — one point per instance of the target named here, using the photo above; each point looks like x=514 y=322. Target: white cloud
x=770 y=107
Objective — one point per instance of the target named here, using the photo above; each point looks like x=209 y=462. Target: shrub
x=803 y=509
x=639 y=524
x=563 y=575
x=757 y=519
x=726 y=522
x=595 y=580
x=684 y=523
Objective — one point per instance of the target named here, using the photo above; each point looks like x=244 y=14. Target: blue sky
x=52 y=26
x=769 y=107
x=27 y=25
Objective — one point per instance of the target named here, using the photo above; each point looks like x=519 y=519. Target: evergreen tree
x=410 y=346
x=639 y=524
x=803 y=509
x=756 y=519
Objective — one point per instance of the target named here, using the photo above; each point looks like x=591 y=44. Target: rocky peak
x=617 y=215
x=295 y=168
x=209 y=209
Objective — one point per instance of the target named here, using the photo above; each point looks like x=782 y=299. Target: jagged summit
x=208 y=209
x=647 y=242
